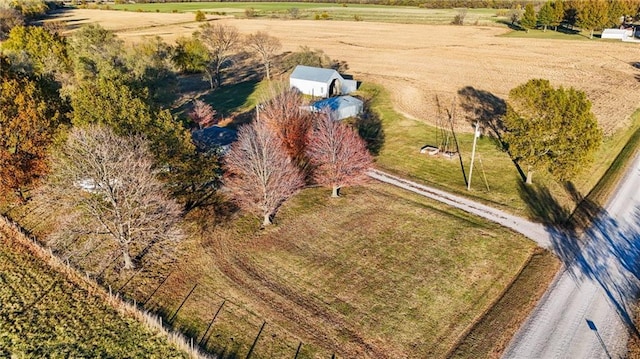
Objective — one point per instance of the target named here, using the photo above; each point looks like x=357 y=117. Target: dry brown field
x=416 y=62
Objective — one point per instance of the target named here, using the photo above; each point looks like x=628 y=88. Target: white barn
x=319 y=82
x=340 y=107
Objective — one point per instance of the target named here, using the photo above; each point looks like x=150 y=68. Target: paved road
x=585 y=311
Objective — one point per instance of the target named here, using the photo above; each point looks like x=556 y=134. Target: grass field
x=495 y=178
x=381 y=273
x=377 y=273
x=46 y=313
x=350 y=12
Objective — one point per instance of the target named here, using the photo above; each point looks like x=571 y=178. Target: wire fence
x=233 y=330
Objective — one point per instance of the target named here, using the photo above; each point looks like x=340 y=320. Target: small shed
x=617 y=34
x=340 y=107
x=214 y=136
x=316 y=81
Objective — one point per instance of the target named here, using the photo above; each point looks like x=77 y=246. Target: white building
x=319 y=82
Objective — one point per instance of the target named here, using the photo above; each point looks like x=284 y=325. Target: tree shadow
x=592 y=244
x=489 y=110
x=511 y=25
x=369 y=126
x=486 y=108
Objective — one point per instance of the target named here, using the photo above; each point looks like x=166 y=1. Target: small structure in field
x=213 y=137
x=430 y=150
x=617 y=34
x=340 y=107
x=319 y=82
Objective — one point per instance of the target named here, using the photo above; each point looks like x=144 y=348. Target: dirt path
x=586 y=311
x=534 y=231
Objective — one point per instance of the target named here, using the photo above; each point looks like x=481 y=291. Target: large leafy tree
x=37 y=51
x=97 y=52
x=529 y=20
x=31 y=113
x=546 y=15
x=558 y=13
x=150 y=65
x=550 y=129
x=592 y=15
x=190 y=55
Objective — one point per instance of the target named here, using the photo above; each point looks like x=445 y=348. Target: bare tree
x=221 y=41
x=339 y=155
x=266 y=46
x=202 y=114
x=106 y=185
x=285 y=115
x=259 y=172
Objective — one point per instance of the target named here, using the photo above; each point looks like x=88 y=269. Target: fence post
x=181 y=304
x=298 y=351
x=129 y=280
x=155 y=290
x=210 y=324
x=256 y=341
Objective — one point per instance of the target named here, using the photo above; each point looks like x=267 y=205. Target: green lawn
x=404 y=137
x=379 y=272
x=364 y=12
x=45 y=313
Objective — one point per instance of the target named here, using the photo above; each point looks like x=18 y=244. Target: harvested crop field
x=416 y=62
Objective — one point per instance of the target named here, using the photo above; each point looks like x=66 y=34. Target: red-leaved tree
x=339 y=155
x=285 y=115
x=259 y=172
x=202 y=114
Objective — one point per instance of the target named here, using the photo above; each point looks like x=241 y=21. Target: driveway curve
x=586 y=311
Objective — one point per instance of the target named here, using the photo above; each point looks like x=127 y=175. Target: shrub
x=200 y=16
x=459 y=18
x=250 y=12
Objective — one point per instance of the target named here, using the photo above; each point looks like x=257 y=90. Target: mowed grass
x=379 y=272
x=495 y=179
x=44 y=313
x=331 y=11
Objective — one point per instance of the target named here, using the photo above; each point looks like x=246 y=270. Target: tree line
x=87 y=136
x=588 y=15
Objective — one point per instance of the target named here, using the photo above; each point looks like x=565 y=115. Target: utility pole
x=473 y=153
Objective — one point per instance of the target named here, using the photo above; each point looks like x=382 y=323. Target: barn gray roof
x=334 y=103
x=316 y=74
